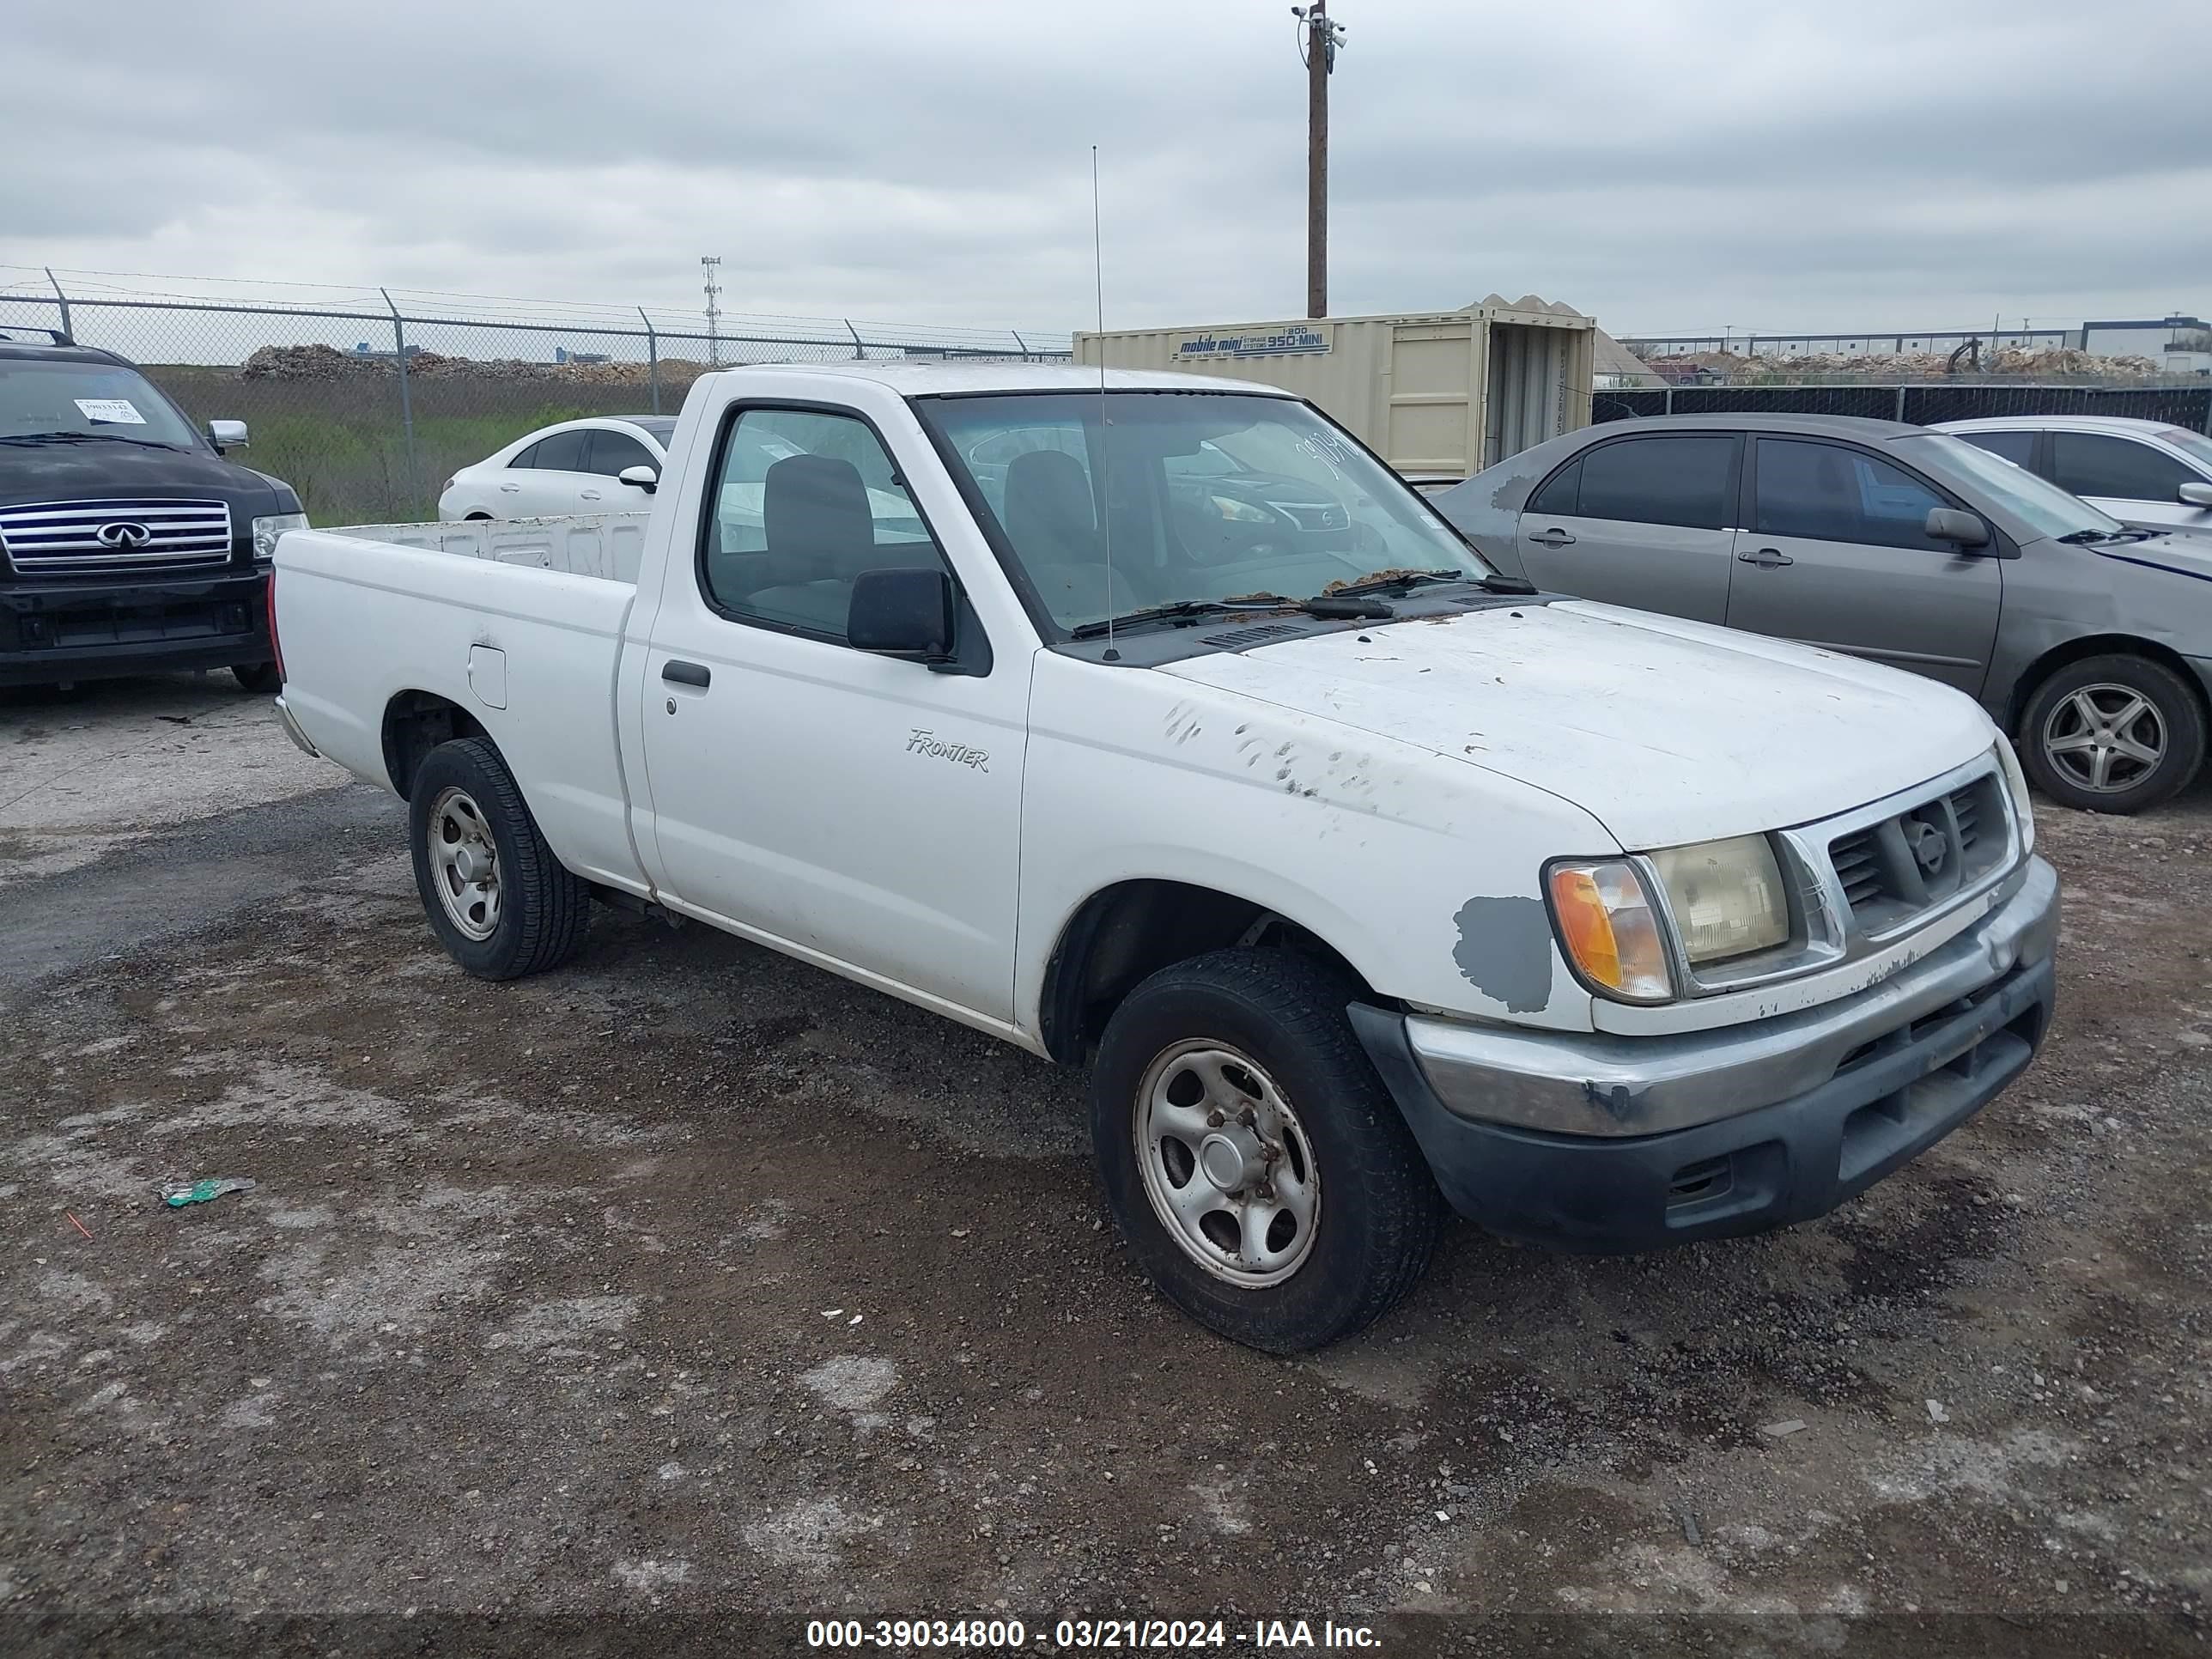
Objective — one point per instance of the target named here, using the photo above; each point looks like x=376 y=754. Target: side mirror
x=226 y=434
x=1949 y=524
x=2193 y=494
x=643 y=478
x=902 y=613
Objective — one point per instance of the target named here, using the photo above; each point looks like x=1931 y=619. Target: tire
x=1264 y=1029
x=262 y=678
x=478 y=518
x=2128 y=699
x=498 y=900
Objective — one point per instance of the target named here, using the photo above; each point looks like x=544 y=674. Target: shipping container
x=1438 y=394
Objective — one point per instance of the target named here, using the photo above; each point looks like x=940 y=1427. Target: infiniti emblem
x=123 y=534
x=1931 y=846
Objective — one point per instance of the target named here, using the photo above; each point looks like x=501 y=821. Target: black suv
x=128 y=545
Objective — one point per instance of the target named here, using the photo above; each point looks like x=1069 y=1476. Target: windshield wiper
x=1332 y=607
x=1398 y=580
x=79 y=438
x=1092 y=631
x=2083 y=537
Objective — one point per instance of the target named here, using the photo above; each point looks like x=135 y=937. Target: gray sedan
x=2090 y=641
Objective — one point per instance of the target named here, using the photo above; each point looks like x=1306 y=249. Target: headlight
x=268 y=527
x=1608 y=929
x=1727 y=896
x=2016 y=783
x=1241 y=512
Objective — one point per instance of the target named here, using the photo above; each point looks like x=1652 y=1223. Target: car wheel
x=2112 y=734
x=499 y=901
x=478 y=518
x=1254 y=1161
x=262 y=678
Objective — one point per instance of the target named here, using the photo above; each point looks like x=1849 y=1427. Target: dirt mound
x=326 y=364
x=2044 y=363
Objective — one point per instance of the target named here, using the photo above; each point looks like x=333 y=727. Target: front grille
x=1855 y=867
x=1894 y=871
x=97 y=537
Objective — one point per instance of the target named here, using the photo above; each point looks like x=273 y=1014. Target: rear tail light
x=269 y=606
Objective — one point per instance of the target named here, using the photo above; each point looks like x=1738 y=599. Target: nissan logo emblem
x=1931 y=846
x=123 y=536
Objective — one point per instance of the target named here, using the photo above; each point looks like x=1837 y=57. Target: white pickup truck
x=1152 y=723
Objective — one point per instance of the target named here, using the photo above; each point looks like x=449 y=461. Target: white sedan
x=576 y=467
x=2148 y=473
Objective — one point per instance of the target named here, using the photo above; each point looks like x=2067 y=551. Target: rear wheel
x=260 y=678
x=499 y=901
x=1252 y=1158
x=2112 y=734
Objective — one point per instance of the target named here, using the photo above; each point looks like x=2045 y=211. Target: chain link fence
x=367 y=410
x=1921 y=404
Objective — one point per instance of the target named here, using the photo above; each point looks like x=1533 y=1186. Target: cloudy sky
x=1668 y=165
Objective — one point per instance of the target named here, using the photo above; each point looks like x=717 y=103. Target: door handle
x=589 y=494
x=511 y=490
x=685 y=673
x=1554 y=538
x=1767 y=558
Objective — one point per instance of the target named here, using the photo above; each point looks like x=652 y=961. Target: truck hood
x=1664 y=731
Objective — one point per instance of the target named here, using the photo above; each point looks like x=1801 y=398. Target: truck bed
x=605 y=545
x=475 y=615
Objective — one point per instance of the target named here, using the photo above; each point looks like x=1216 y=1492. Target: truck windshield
x=44 y=396
x=1206 y=497
x=2043 y=504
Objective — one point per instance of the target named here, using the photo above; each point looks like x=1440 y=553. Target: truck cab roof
x=953 y=377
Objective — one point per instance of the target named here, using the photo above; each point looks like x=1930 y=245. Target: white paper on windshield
x=110 y=411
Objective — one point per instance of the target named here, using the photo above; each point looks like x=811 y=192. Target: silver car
x=2090 y=641
x=2148 y=473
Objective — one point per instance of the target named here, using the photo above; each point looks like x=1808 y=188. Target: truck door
x=858 y=807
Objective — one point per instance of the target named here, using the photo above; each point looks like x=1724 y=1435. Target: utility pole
x=708 y=263
x=1319 y=38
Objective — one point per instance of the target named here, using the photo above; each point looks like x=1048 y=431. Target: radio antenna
x=1105 y=511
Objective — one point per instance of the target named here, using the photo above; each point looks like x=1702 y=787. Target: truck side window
x=801 y=503
x=1825 y=492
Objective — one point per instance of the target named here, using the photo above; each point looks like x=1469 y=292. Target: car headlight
x=2016 y=786
x=1726 y=896
x=1240 y=511
x=269 y=526
x=1609 y=930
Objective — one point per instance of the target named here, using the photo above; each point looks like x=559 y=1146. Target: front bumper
x=1659 y=1140
x=52 y=632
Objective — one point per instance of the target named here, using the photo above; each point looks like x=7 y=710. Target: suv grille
x=1893 y=871
x=91 y=536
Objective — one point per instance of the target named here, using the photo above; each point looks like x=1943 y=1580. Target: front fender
x=1422 y=871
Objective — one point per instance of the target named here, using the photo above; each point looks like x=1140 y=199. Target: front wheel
x=1251 y=1156
x=2112 y=734
x=262 y=678
x=499 y=901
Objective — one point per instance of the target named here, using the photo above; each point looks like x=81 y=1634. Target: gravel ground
x=688 y=1291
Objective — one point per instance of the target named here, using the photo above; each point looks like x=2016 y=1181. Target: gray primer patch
x=1504 y=951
